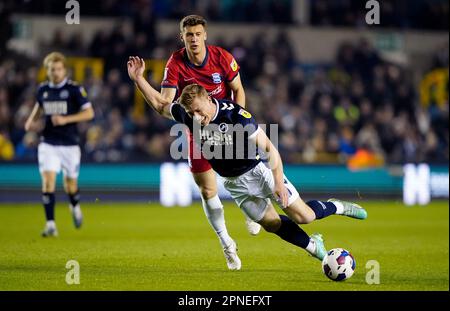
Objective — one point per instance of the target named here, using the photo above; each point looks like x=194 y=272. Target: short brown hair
x=192 y=20
x=54 y=57
x=191 y=92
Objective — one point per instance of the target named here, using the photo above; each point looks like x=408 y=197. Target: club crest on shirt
x=64 y=94
x=245 y=114
x=223 y=127
x=216 y=78
x=234 y=65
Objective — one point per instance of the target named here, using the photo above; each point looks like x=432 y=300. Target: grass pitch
x=148 y=247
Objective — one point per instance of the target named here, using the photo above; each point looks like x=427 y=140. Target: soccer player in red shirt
x=218 y=72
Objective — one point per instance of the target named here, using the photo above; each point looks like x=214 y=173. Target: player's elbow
x=161 y=105
x=160 y=109
x=274 y=159
x=90 y=114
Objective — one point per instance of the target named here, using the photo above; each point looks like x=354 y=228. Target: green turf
x=148 y=247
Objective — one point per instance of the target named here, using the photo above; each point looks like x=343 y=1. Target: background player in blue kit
x=251 y=184
x=64 y=103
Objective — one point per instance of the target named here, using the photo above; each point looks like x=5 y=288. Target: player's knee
x=272 y=225
x=207 y=192
x=301 y=213
x=303 y=219
x=71 y=186
x=48 y=184
x=307 y=215
x=72 y=190
x=207 y=185
x=66 y=187
x=48 y=188
x=309 y=218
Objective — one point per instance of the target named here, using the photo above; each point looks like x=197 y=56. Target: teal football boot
x=320 y=250
x=351 y=209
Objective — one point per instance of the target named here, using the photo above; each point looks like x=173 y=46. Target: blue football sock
x=322 y=209
x=292 y=233
x=74 y=198
x=48 y=200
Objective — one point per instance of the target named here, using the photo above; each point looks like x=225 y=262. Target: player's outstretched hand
x=281 y=193
x=58 y=120
x=136 y=67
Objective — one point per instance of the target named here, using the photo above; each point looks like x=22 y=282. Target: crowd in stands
x=250 y=11
x=358 y=109
x=403 y=14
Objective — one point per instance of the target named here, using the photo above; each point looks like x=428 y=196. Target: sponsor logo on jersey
x=64 y=94
x=245 y=113
x=215 y=138
x=55 y=107
x=216 y=91
x=216 y=78
x=45 y=95
x=234 y=65
x=83 y=92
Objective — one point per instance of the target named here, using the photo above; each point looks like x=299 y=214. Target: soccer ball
x=338 y=264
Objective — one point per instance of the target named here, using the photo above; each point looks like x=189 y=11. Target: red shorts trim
x=197 y=163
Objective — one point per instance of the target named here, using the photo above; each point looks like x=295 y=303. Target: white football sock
x=339 y=208
x=213 y=209
x=51 y=224
x=311 y=248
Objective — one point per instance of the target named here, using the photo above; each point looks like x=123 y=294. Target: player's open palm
x=136 y=67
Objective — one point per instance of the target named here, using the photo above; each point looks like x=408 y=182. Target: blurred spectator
x=5 y=25
x=346 y=142
x=418 y=14
x=6 y=148
x=26 y=149
x=346 y=113
x=365 y=159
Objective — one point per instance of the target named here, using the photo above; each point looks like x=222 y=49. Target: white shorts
x=54 y=158
x=253 y=191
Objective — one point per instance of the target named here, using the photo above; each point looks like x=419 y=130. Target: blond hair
x=191 y=92
x=54 y=57
x=192 y=20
